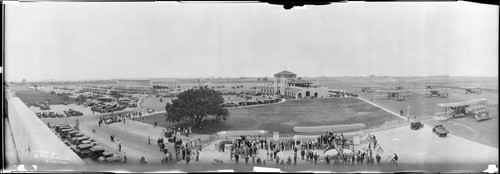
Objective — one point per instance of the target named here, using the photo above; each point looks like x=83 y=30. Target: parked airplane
x=472 y=90
x=399 y=95
x=475 y=108
x=439 y=92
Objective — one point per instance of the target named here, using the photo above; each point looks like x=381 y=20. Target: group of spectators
x=178 y=131
x=247 y=148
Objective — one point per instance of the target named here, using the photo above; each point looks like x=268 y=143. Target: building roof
x=265 y=87
x=292 y=89
x=300 y=82
x=285 y=72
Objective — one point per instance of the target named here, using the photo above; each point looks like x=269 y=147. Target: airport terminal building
x=287 y=84
x=145 y=84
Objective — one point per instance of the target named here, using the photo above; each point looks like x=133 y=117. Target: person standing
x=184 y=153
x=295 y=159
x=149 y=140
x=124 y=158
x=246 y=159
x=197 y=155
x=253 y=159
x=236 y=157
x=307 y=156
x=119 y=145
x=188 y=158
x=395 y=157
x=315 y=158
x=377 y=157
x=231 y=153
x=302 y=153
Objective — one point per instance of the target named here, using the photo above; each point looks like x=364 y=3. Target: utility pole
x=408 y=113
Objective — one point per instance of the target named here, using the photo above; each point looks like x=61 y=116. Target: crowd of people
x=246 y=148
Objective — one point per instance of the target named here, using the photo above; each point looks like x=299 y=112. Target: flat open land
x=282 y=117
x=30 y=96
x=424 y=107
x=469 y=143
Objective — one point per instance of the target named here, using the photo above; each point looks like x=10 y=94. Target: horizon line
x=249 y=77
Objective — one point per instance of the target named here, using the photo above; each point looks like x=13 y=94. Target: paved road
x=132 y=134
x=424 y=148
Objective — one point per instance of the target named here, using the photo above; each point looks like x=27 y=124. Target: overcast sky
x=75 y=41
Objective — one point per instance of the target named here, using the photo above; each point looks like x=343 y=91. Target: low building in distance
x=287 y=84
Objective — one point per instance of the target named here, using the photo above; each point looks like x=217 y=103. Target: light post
x=408 y=113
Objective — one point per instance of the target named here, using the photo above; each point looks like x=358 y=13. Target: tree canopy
x=81 y=99
x=194 y=106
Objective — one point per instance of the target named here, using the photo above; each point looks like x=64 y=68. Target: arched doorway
x=308 y=93
x=315 y=95
x=299 y=95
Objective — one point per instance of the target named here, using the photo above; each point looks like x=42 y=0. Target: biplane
x=439 y=92
x=401 y=87
x=367 y=88
x=432 y=85
x=472 y=90
x=475 y=108
x=399 y=95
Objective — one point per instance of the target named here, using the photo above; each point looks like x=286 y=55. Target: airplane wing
x=439 y=89
x=462 y=103
x=395 y=91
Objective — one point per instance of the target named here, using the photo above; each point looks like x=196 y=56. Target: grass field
x=30 y=96
x=284 y=116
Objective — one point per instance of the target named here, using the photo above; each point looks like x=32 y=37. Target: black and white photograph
x=250 y=86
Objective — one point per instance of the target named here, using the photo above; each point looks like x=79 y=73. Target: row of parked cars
x=69 y=113
x=84 y=146
x=106 y=107
x=249 y=103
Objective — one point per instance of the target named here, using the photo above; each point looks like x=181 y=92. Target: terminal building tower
x=281 y=81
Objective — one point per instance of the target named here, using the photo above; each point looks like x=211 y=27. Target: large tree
x=81 y=99
x=194 y=106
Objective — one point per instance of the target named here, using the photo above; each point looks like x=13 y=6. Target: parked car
x=83 y=150
x=44 y=107
x=415 y=125
x=96 y=152
x=440 y=130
